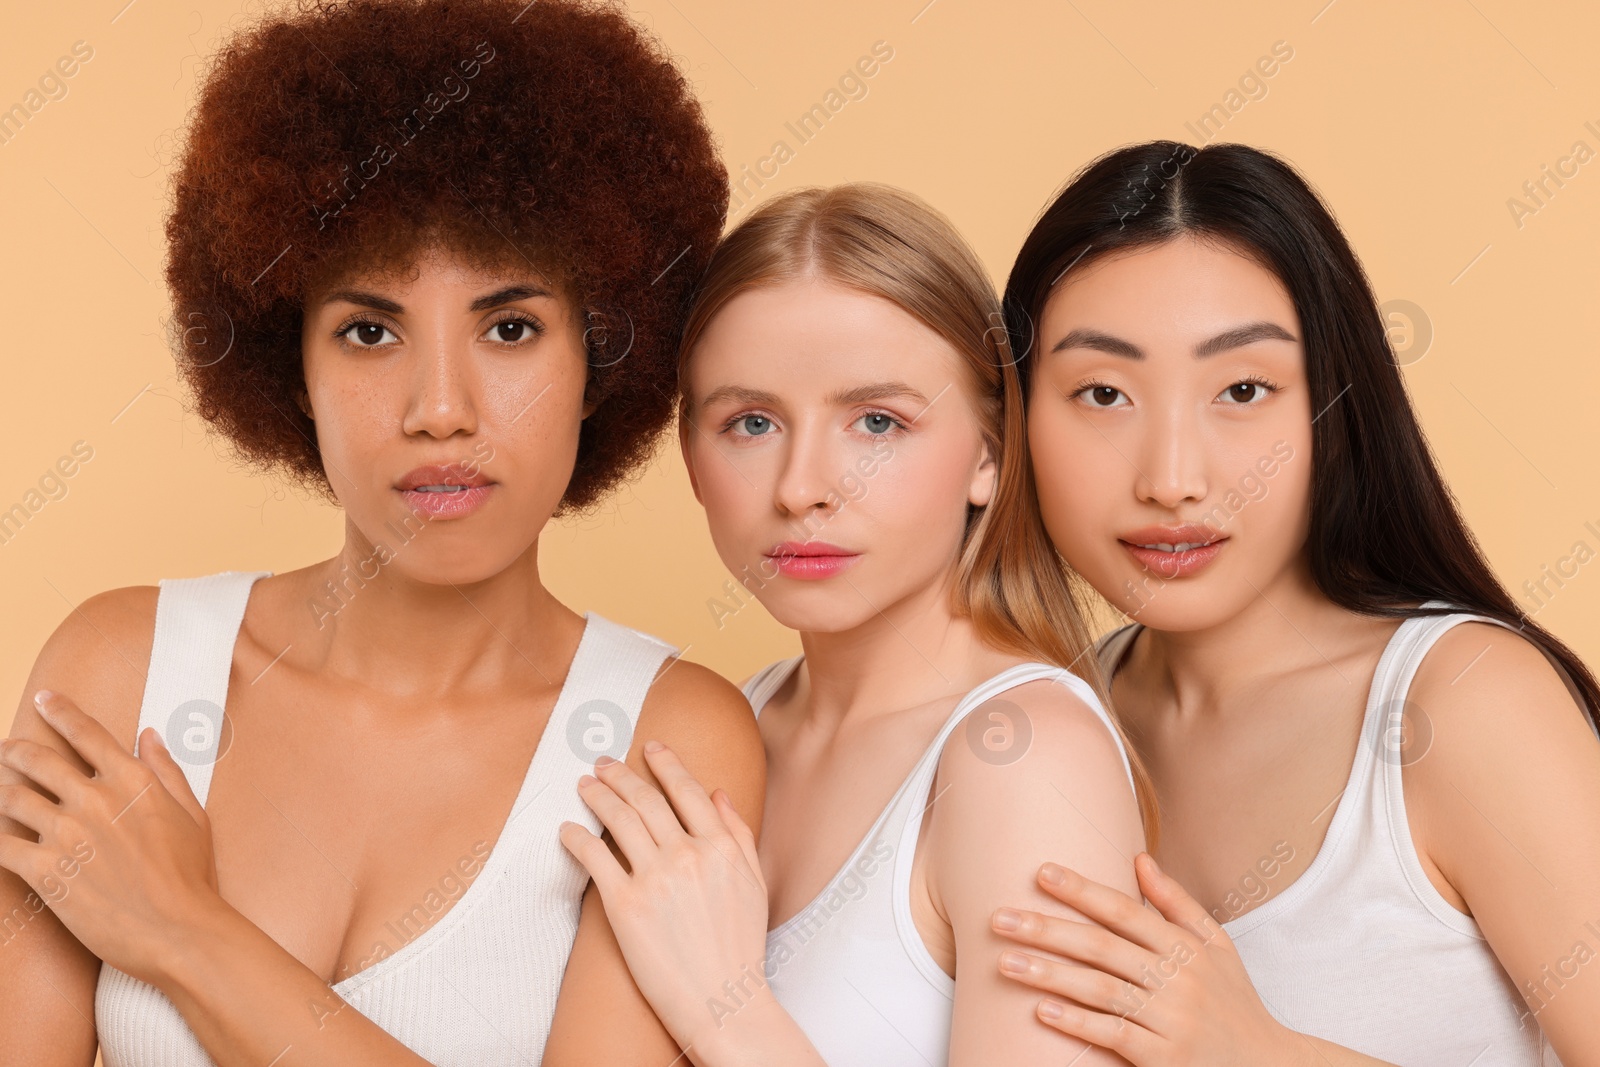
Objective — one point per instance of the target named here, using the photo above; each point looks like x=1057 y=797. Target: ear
x=685 y=428
x=303 y=402
x=984 y=478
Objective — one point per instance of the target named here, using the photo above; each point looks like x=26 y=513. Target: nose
x=805 y=483
x=443 y=394
x=1171 y=460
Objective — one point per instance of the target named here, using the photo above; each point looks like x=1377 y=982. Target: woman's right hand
x=691 y=913
x=1160 y=987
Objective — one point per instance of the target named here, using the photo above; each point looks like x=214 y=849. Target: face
x=447 y=405
x=832 y=439
x=1169 y=423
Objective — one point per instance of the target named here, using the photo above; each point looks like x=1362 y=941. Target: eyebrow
x=482 y=303
x=1238 y=337
x=859 y=394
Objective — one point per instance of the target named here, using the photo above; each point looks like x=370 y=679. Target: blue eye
x=754 y=425
x=877 y=423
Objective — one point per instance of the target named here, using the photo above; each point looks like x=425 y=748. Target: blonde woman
x=850 y=418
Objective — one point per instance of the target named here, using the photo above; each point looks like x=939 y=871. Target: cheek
x=1077 y=485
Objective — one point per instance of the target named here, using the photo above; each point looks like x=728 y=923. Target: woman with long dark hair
x=1379 y=781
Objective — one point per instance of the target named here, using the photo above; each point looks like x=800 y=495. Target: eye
x=750 y=425
x=515 y=329
x=1248 y=391
x=878 y=423
x=1100 y=395
x=363 y=333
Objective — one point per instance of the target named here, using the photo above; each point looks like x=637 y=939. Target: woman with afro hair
x=431 y=259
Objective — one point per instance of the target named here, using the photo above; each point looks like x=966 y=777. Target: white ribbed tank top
x=1361 y=949
x=479 y=985
x=850 y=967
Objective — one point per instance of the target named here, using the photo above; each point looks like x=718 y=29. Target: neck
x=1291 y=625
x=373 y=623
x=904 y=655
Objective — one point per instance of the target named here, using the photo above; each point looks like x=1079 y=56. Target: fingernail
x=653 y=746
x=604 y=761
x=587 y=779
x=1013 y=963
x=40 y=697
x=1052 y=874
x=156 y=736
x=1006 y=919
x=1050 y=1009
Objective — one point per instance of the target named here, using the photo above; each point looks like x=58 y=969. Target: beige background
x=1418 y=120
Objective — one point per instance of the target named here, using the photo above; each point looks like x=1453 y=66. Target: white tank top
x=479 y=985
x=1361 y=949
x=850 y=967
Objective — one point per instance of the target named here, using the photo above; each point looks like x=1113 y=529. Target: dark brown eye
x=1104 y=395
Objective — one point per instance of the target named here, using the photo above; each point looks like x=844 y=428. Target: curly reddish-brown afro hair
x=343 y=136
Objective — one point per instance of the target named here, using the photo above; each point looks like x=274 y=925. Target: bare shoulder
x=706 y=720
x=1041 y=729
x=1031 y=775
x=690 y=703
x=1482 y=684
x=98 y=657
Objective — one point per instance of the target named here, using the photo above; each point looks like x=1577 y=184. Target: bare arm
x=1505 y=803
x=47 y=977
x=601 y=1017
x=246 y=998
x=1066 y=798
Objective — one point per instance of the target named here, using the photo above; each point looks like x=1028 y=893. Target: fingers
x=688 y=796
x=1121 y=1035
x=153 y=752
x=595 y=857
x=1111 y=908
x=1173 y=901
x=29 y=861
x=644 y=798
x=738 y=828
x=618 y=816
x=1084 y=942
x=44 y=765
x=87 y=737
x=1088 y=986
x=28 y=808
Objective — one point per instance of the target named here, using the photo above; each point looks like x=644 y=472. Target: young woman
x=1379 y=785
x=850 y=420
x=414 y=329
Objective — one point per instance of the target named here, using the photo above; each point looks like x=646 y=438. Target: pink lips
x=810 y=559
x=1182 y=563
x=450 y=491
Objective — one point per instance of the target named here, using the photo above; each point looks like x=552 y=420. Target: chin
x=832 y=608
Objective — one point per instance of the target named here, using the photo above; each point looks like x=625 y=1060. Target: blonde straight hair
x=1012 y=584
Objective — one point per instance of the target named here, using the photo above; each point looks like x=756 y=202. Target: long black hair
x=1385 y=531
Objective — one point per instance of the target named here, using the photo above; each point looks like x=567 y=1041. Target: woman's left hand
x=691 y=915
x=124 y=858
x=1159 y=987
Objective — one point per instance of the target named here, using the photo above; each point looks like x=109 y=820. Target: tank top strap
x=1013 y=725
x=762 y=684
x=191 y=658
x=596 y=713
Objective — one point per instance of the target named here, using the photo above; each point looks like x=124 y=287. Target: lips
x=445 y=492
x=1178 y=551
x=810 y=559
x=449 y=475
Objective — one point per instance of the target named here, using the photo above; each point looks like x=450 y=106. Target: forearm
x=250 y=1002
x=758 y=1034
